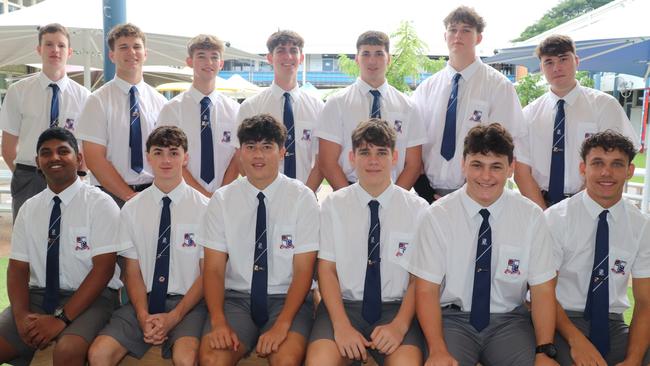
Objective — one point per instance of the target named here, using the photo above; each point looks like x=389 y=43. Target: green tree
x=529 y=88
x=561 y=13
x=409 y=59
x=585 y=79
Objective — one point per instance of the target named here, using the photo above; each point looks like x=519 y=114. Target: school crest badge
x=619 y=267
x=306 y=135
x=188 y=240
x=512 y=267
x=287 y=242
x=401 y=249
x=476 y=116
x=398 y=126
x=227 y=136
x=81 y=243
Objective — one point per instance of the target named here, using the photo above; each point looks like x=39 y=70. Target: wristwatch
x=548 y=349
x=60 y=314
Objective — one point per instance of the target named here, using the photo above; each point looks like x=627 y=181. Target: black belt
x=134 y=187
x=452 y=306
x=549 y=202
x=27 y=168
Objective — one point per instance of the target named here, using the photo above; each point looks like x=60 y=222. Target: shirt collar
x=278 y=92
x=197 y=96
x=594 y=208
x=67 y=194
x=472 y=207
x=125 y=86
x=269 y=191
x=570 y=98
x=364 y=197
x=45 y=81
x=466 y=73
x=365 y=88
x=175 y=195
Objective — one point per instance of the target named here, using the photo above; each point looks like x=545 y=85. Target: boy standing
x=163 y=263
x=260 y=235
x=207 y=117
x=62 y=280
x=285 y=101
x=378 y=312
x=118 y=117
x=46 y=99
x=369 y=97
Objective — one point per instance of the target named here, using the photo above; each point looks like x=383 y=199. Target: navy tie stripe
x=259 y=307
x=479 y=316
x=207 y=151
x=375 y=110
x=597 y=307
x=290 y=144
x=135 y=132
x=556 y=179
x=160 y=282
x=371 y=305
x=51 y=297
x=54 y=105
x=448 y=146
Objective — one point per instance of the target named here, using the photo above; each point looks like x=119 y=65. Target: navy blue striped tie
x=556 y=179
x=375 y=110
x=259 y=308
x=597 y=307
x=479 y=316
x=207 y=152
x=51 y=298
x=290 y=144
x=160 y=282
x=448 y=146
x=54 y=106
x=135 y=131
x=371 y=306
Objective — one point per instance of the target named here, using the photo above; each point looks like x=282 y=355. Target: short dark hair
x=374 y=131
x=373 y=38
x=467 y=15
x=284 y=37
x=167 y=136
x=205 y=42
x=52 y=28
x=261 y=127
x=608 y=140
x=492 y=138
x=124 y=30
x=555 y=45
x=57 y=133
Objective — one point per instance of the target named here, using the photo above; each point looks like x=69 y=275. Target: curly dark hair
x=167 y=136
x=261 y=127
x=608 y=140
x=492 y=138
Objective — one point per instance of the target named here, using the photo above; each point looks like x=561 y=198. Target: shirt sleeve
x=327 y=248
x=125 y=246
x=212 y=234
x=613 y=117
x=641 y=267
x=92 y=124
x=308 y=223
x=427 y=260
x=417 y=133
x=19 y=238
x=542 y=267
x=523 y=150
x=103 y=233
x=10 y=118
x=330 y=125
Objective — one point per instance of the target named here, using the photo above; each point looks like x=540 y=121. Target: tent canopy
x=612 y=38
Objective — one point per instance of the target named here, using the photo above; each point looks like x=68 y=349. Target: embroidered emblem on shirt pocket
x=401 y=248
x=287 y=242
x=512 y=267
x=82 y=243
x=188 y=240
x=306 y=135
x=476 y=116
x=398 y=126
x=226 y=137
x=619 y=267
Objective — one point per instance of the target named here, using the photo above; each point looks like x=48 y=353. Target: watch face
x=58 y=312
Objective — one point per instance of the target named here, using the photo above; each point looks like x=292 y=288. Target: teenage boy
x=260 y=235
x=477 y=251
x=465 y=93
x=118 y=117
x=557 y=122
x=62 y=281
x=162 y=263
x=369 y=97
x=207 y=117
x=600 y=240
x=286 y=102
x=366 y=229
x=46 y=99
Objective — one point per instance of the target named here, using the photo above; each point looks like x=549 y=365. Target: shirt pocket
x=585 y=129
x=225 y=134
x=620 y=265
x=184 y=241
x=68 y=121
x=477 y=112
x=397 y=121
x=511 y=265
x=396 y=253
x=281 y=252
x=80 y=244
x=304 y=135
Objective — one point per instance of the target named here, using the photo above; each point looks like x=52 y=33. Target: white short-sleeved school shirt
x=345 y=224
x=484 y=96
x=89 y=219
x=573 y=224
x=184 y=111
x=445 y=250
x=347 y=108
x=140 y=226
x=306 y=110
x=291 y=222
x=587 y=111
x=105 y=120
x=26 y=111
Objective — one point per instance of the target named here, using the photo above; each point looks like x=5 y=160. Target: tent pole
x=646 y=179
x=86 y=55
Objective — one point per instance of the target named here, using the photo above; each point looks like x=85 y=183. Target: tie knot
x=457 y=77
x=166 y=201
x=375 y=93
x=374 y=204
x=287 y=95
x=485 y=213
x=133 y=90
x=54 y=87
x=205 y=102
x=560 y=103
x=260 y=196
x=56 y=200
x=603 y=215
